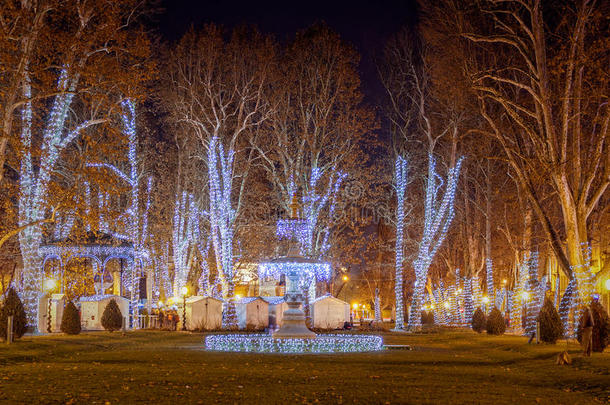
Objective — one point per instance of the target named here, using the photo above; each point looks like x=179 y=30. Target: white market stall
x=203 y=313
x=57 y=304
x=328 y=312
x=252 y=312
x=92 y=308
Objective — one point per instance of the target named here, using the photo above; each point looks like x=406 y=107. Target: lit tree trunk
x=222 y=221
x=378 y=317
x=400 y=186
x=438 y=216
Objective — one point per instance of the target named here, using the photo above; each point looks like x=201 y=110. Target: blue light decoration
x=533 y=307
x=262 y=343
x=308 y=271
x=35 y=177
x=490 y=281
x=578 y=294
x=378 y=317
x=519 y=293
x=468 y=301
x=222 y=222
x=310 y=230
x=400 y=186
x=293 y=229
x=438 y=217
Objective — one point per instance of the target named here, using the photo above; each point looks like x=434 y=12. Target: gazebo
x=97 y=246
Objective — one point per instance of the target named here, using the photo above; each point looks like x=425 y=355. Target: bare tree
x=544 y=97
x=216 y=93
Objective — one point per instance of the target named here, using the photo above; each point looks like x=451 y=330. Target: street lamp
x=184 y=292
x=345 y=277
x=49 y=286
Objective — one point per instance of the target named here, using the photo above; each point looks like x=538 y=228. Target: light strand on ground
x=261 y=343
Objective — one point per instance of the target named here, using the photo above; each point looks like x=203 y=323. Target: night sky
x=366 y=25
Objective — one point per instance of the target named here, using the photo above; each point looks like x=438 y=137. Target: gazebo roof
x=90 y=239
x=92 y=244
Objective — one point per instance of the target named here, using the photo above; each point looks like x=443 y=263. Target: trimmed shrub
x=112 y=319
x=479 y=320
x=601 y=327
x=551 y=327
x=495 y=322
x=13 y=306
x=70 y=320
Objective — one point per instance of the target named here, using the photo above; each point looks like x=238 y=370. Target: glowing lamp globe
x=50 y=284
x=184 y=290
x=486 y=300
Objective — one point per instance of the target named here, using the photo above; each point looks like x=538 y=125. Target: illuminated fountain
x=294 y=336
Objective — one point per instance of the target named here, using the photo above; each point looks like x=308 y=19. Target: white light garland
x=400 y=179
x=317 y=271
x=533 y=305
x=222 y=222
x=490 y=281
x=438 y=217
x=261 y=343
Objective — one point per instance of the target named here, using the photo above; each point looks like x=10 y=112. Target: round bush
x=495 y=323
x=112 y=319
x=70 y=320
x=13 y=306
x=551 y=327
x=479 y=320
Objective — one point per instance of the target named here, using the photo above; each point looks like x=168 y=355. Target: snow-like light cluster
x=578 y=293
x=438 y=217
x=313 y=205
x=400 y=187
x=262 y=343
x=293 y=229
x=490 y=281
x=532 y=303
x=222 y=221
x=317 y=271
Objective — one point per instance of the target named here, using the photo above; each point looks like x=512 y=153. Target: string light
x=468 y=301
x=532 y=303
x=261 y=343
x=437 y=218
x=400 y=187
x=319 y=271
x=222 y=222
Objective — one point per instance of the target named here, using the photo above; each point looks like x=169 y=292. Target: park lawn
x=171 y=367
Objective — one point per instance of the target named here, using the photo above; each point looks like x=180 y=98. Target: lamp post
x=184 y=292
x=49 y=286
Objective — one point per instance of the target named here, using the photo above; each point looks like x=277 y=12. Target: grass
x=164 y=367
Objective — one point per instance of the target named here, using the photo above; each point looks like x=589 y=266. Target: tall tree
x=544 y=97
x=316 y=127
x=96 y=62
x=216 y=93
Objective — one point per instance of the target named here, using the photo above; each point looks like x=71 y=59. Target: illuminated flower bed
x=262 y=343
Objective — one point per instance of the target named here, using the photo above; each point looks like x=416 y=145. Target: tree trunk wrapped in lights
x=222 y=222
x=438 y=216
x=400 y=186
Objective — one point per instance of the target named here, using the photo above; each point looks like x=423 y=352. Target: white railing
x=145 y=322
